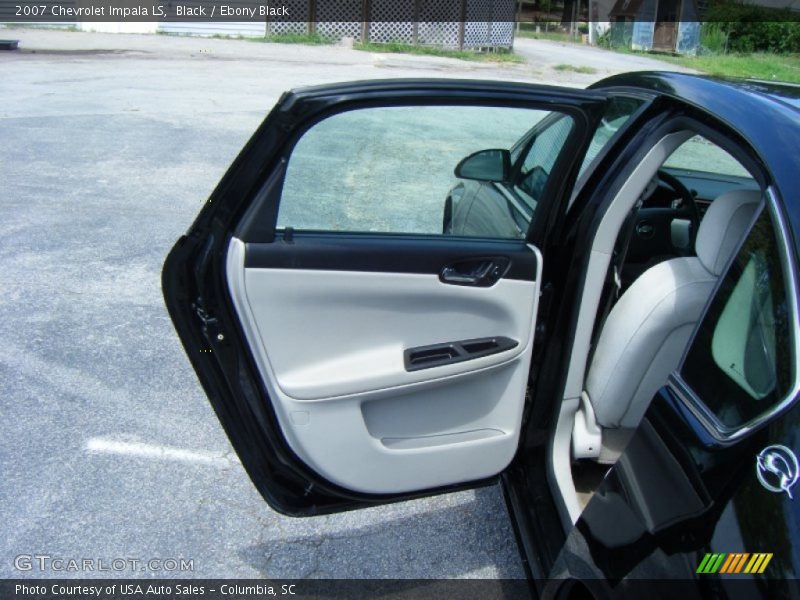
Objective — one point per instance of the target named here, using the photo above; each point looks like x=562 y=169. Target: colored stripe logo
x=736 y=562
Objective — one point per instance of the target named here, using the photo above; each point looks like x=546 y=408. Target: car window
x=390 y=169
x=740 y=363
x=540 y=157
x=618 y=111
x=545 y=147
x=699 y=154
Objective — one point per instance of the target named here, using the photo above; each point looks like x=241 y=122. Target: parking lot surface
x=108 y=446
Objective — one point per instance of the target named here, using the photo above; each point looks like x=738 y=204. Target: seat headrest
x=723 y=226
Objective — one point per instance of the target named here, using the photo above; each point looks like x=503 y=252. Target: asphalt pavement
x=108 y=446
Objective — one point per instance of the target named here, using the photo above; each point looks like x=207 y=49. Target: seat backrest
x=723 y=227
x=648 y=329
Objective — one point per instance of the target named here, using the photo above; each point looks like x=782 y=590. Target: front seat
x=648 y=329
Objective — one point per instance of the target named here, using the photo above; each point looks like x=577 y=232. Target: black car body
x=687 y=490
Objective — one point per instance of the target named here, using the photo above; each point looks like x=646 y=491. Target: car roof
x=765 y=114
x=782 y=92
x=788 y=93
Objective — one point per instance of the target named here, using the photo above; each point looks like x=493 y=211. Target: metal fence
x=474 y=24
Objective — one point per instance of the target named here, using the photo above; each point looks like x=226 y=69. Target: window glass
x=391 y=169
x=544 y=150
x=740 y=362
x=699 y=152
x=541 y=157
x=618 y=111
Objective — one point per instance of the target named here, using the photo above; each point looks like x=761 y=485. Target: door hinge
x=210 y=323
x=205 y=317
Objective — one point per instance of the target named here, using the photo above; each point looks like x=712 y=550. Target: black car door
x=354 y=353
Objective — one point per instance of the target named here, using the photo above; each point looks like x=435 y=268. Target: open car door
x=353 y=352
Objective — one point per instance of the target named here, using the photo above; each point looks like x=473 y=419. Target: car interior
x=670 y=245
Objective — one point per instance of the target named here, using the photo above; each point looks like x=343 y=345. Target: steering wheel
x=688 y=208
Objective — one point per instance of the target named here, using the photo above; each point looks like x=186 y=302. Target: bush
x=748 y=28
x=604 y=41
x=713 y=38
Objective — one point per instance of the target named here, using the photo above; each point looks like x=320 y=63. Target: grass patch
x=395 y=47
x=311 y=39
x=770 y=67
x=34 y=25
x=280 y=38
x=575 y=69
x=553 y=36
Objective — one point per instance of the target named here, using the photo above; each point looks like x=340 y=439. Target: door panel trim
x=366 y=363
x=446 y=427
x=389 y=253
x=437 y=355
